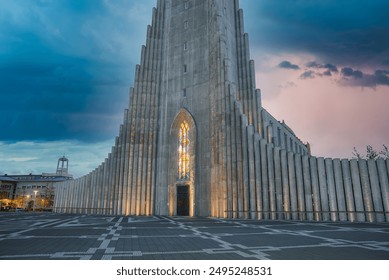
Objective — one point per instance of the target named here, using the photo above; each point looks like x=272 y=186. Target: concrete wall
x=310 y=188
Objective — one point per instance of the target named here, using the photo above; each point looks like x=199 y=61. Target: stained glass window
x=183 y=152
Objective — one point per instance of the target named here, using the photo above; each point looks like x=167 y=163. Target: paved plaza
x=86 y=237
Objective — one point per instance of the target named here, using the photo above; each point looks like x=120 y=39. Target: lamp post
x=35 y=192
x=25 y=204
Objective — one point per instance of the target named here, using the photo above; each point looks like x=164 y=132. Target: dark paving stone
x=328 y=253
x=45 y=245
x=58 y=236
x=64 y=232
x=156 y=231
x=276 y=240
x=356 y=235
x=164 y=244
x=234 y=230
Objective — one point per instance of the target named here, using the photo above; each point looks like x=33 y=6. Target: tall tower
x=62 y=166
x=194 y=89
x=195 y=139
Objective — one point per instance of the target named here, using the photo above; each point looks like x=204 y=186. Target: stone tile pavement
x=46 y=236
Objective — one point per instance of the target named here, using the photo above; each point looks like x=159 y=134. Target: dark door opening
x=183 y=200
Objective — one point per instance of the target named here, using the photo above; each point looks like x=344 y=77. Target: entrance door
x=183 y=200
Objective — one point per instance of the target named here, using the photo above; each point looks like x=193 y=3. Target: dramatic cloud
x=349 y=72
x=349 y=32
x=288 y=65
x=328 y=66
x=307 y=75
x=351 y=77
x=67 y=66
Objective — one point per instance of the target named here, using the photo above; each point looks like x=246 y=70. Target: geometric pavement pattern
x=46 y=236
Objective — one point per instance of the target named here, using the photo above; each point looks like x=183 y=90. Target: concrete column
x=315 y=188
x=252 y=195
x=348 y=188
x=340 y=190
x=272 y=188
x=110 y=184
x=292 y=186
x=357 y=188
x=366 y=191
x=300 y=187
x=278 y=181
x=258 y=177
x=81 y=205
x=76 y=196
x=265 y=181
x=307 y=188
x=384 y=183
x=239 y=156
x=94 y=192
x=285 y=185
x=331 y=190
x=245 y=167
x=376 y=191
x=323 y=189
x=105 y=188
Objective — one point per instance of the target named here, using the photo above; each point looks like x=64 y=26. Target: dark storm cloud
x=349 y=32
x=288 y=65
x=349 y=72
x=352 y=77
x=309 y=74
x=66 y=66
x=329 y=67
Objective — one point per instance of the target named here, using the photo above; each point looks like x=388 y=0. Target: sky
x=66 y=68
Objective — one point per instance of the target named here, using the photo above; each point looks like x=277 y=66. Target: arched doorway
x=182 y=165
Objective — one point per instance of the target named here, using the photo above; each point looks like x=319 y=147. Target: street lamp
x=35 y=192
x=25 y=204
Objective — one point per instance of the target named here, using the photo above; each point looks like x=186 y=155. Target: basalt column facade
x=195 y=140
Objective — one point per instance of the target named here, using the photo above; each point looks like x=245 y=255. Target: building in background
x=32 y=190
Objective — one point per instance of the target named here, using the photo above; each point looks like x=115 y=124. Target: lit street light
x=35 y=192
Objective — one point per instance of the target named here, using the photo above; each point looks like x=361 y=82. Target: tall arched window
x=183 y=151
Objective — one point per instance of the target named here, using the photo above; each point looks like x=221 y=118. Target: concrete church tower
x=195 y=140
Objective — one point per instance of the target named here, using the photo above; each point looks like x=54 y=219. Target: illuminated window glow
x=183 y=152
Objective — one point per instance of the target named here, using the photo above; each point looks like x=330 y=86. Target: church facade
x=196 y=141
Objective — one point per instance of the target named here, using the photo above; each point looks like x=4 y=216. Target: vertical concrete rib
x=357 y=188
x=265 y=180
x=323 y=189
x=245 y=167
x=331 y=190
x=252 y=194
x=228 y=135
x=366 y=190
x=278 y=181
x=348 y=189
x=300 y=187
x=384 y=184
x=234 y=160
x=340 y=194
x=272 y=187
x=258 y=177
x=376 y=191
x=285 y=185
x=315 y=188
x=239 y=159
x=292 y=186
x=307 y=188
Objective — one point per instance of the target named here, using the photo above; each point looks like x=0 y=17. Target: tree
x=372 y=154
